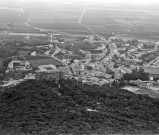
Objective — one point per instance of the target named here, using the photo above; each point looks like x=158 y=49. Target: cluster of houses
x=95 y=68
x=33 y=67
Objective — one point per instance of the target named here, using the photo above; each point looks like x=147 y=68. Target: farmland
x=64 y=16
x=31 y=38
x=8 y=16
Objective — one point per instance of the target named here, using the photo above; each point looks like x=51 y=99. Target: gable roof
x=126 y=70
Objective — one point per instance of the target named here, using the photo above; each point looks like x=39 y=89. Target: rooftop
x=127 y=70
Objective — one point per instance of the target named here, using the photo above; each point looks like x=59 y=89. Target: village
x=89 y=59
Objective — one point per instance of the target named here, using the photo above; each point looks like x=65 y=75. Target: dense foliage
x=136 y=74
x=48 y=108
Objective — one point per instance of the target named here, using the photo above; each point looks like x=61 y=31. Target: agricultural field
x=30 y=38
x=10 y=16
x=60 y=15
x=64 y=16
x=135 y=23
x=71 y=27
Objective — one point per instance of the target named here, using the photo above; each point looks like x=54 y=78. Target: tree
x=116 y=65
x=89 y=67
x=136 y=74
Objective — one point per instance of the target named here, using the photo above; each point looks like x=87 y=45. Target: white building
x=19 y=65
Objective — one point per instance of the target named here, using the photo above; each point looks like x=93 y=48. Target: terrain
x=68 y=106
x=104 y=18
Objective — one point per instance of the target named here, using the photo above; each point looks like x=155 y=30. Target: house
x=48 y=72
x=140 y=45
x=117 y=74
x=33 y=53
x=122 y=55
x=124 y=70
x=103 y=81
x=93 y=79
x=86 y=82
x=29 y=76
x=127 y=44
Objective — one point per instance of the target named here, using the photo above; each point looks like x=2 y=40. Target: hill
x=42 y=107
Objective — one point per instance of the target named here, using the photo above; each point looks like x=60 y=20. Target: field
x=122 y=21
x=60 y=16
x=64 y=16
x=62 y=26
x=10 y=16
x=32 y=38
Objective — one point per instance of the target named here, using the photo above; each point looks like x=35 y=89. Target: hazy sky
x=129 y=2
x=118 y=1
x=132 y=1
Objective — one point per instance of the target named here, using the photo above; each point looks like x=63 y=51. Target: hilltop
x=69 y=106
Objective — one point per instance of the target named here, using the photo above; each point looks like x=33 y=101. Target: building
x=19 y=65
x=143 y=84
x=125 y=70
x=48 y=72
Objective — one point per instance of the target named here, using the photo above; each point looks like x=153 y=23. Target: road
x=155 y=49
x=85 y=7
x=111 y=47
x=56 y=51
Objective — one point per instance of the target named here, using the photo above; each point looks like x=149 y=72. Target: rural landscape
x=78 y=67
x=66 y=16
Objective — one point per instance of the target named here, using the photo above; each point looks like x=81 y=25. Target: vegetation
x=43 y=107
x=135 y=75
x=149 y=56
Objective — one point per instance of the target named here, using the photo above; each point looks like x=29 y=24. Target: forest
x=70 y=107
